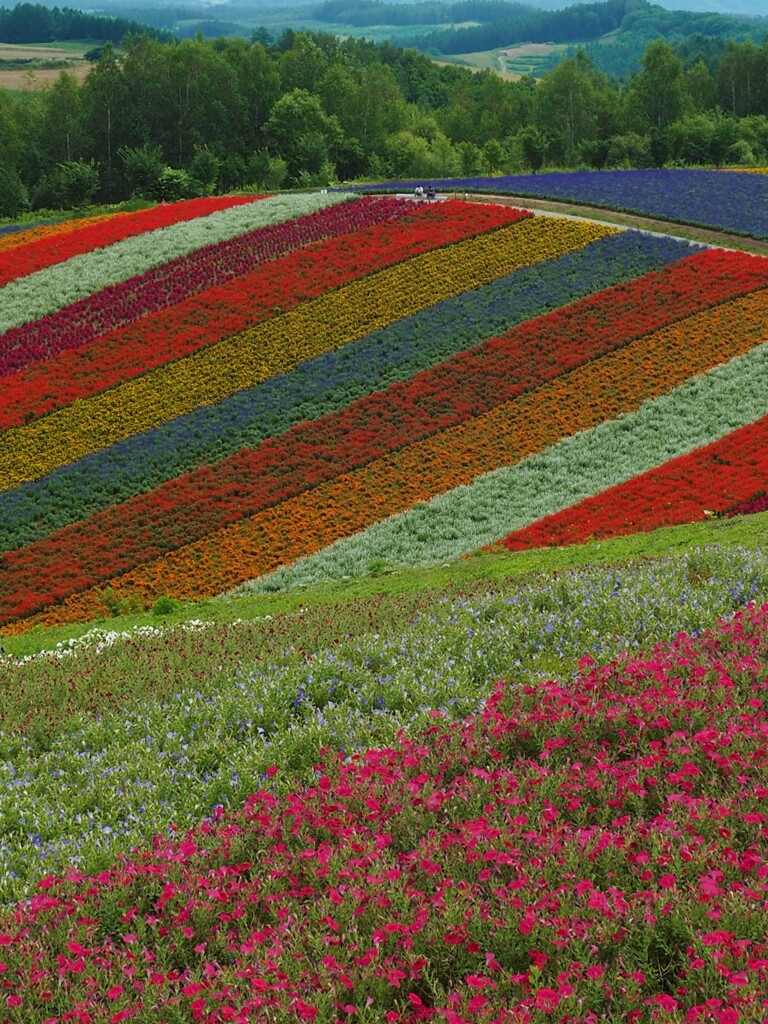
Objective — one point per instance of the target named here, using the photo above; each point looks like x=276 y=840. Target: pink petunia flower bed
x=581 y=851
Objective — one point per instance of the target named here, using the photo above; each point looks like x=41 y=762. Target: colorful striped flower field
x=275 y=391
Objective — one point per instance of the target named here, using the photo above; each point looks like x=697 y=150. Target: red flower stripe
x=182 y=510
x=203 y=319
x=182 y=278
x=49 y=231
x=683 y=490
x=44 y=252
x=597 y=391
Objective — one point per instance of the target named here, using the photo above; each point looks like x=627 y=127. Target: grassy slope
x=485 y=566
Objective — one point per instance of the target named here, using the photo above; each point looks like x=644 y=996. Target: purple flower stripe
x=718 y=199
x=182 y=278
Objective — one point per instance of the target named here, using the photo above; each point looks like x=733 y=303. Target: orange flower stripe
x=602 y=389
x=276 y=346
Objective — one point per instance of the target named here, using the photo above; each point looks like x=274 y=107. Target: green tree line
x=193 y=117
x=33 y=23
x=505 y=24
x=428 y=12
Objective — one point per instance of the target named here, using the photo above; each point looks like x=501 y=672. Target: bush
x=164 y=606
x=69 y=186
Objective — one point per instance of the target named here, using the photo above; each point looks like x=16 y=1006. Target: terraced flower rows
x=280 y=377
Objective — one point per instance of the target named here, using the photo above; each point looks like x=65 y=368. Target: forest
x=33 y=23
x=165 y=121
x=588 y=22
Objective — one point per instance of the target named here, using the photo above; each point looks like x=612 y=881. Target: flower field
x=733 y=201
x=538 y=799
x=273 y=392
x=532 y=847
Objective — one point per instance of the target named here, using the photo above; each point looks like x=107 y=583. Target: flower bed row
x=203 y=319
x=279 y=344
x=757 y=503
x=734 y=202
x=683 y=490
x=311 y=454
x=61 y=242
x=455 y=523
x=427 y=880
x=36 y=295
x=294 y=529
x=322 y=385
x=357 y=501
x=14 y=236
x=76 y=325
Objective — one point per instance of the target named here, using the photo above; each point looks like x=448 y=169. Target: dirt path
x=631 y=220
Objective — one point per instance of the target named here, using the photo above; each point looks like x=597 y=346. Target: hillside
x=274 y=391
x=526 y=782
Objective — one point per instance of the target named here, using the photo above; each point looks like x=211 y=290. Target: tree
x=175 y=183
x=299 y=130
x=143 y=168
x=493 y=156
x=258 y=88
x=71 y=185
x=703 y=138
x=14 y=198
x=303 y=65
x=660 y=87
x=204 y=169
x=10 y=130
x=470 y=157
x=65 y=136
x=534 y=145
x=268 y=172
x=408 y=155
x=700 y=87
x=629 y=150
x=445 y=159
x=570 y=102
x=105 y=110
x=741 y=79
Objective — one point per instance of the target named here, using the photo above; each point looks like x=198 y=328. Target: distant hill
x=743 y=8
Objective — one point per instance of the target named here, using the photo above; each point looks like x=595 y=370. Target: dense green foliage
x=171 y=120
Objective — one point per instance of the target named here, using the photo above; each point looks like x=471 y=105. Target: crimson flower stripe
x=683 y=490
x=113 y=307
x=187 y=508
x=44 y=252
x=757 y=503
x=224 y=310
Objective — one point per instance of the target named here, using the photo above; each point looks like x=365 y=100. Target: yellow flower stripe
x=276 y=346
x=601 y=389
